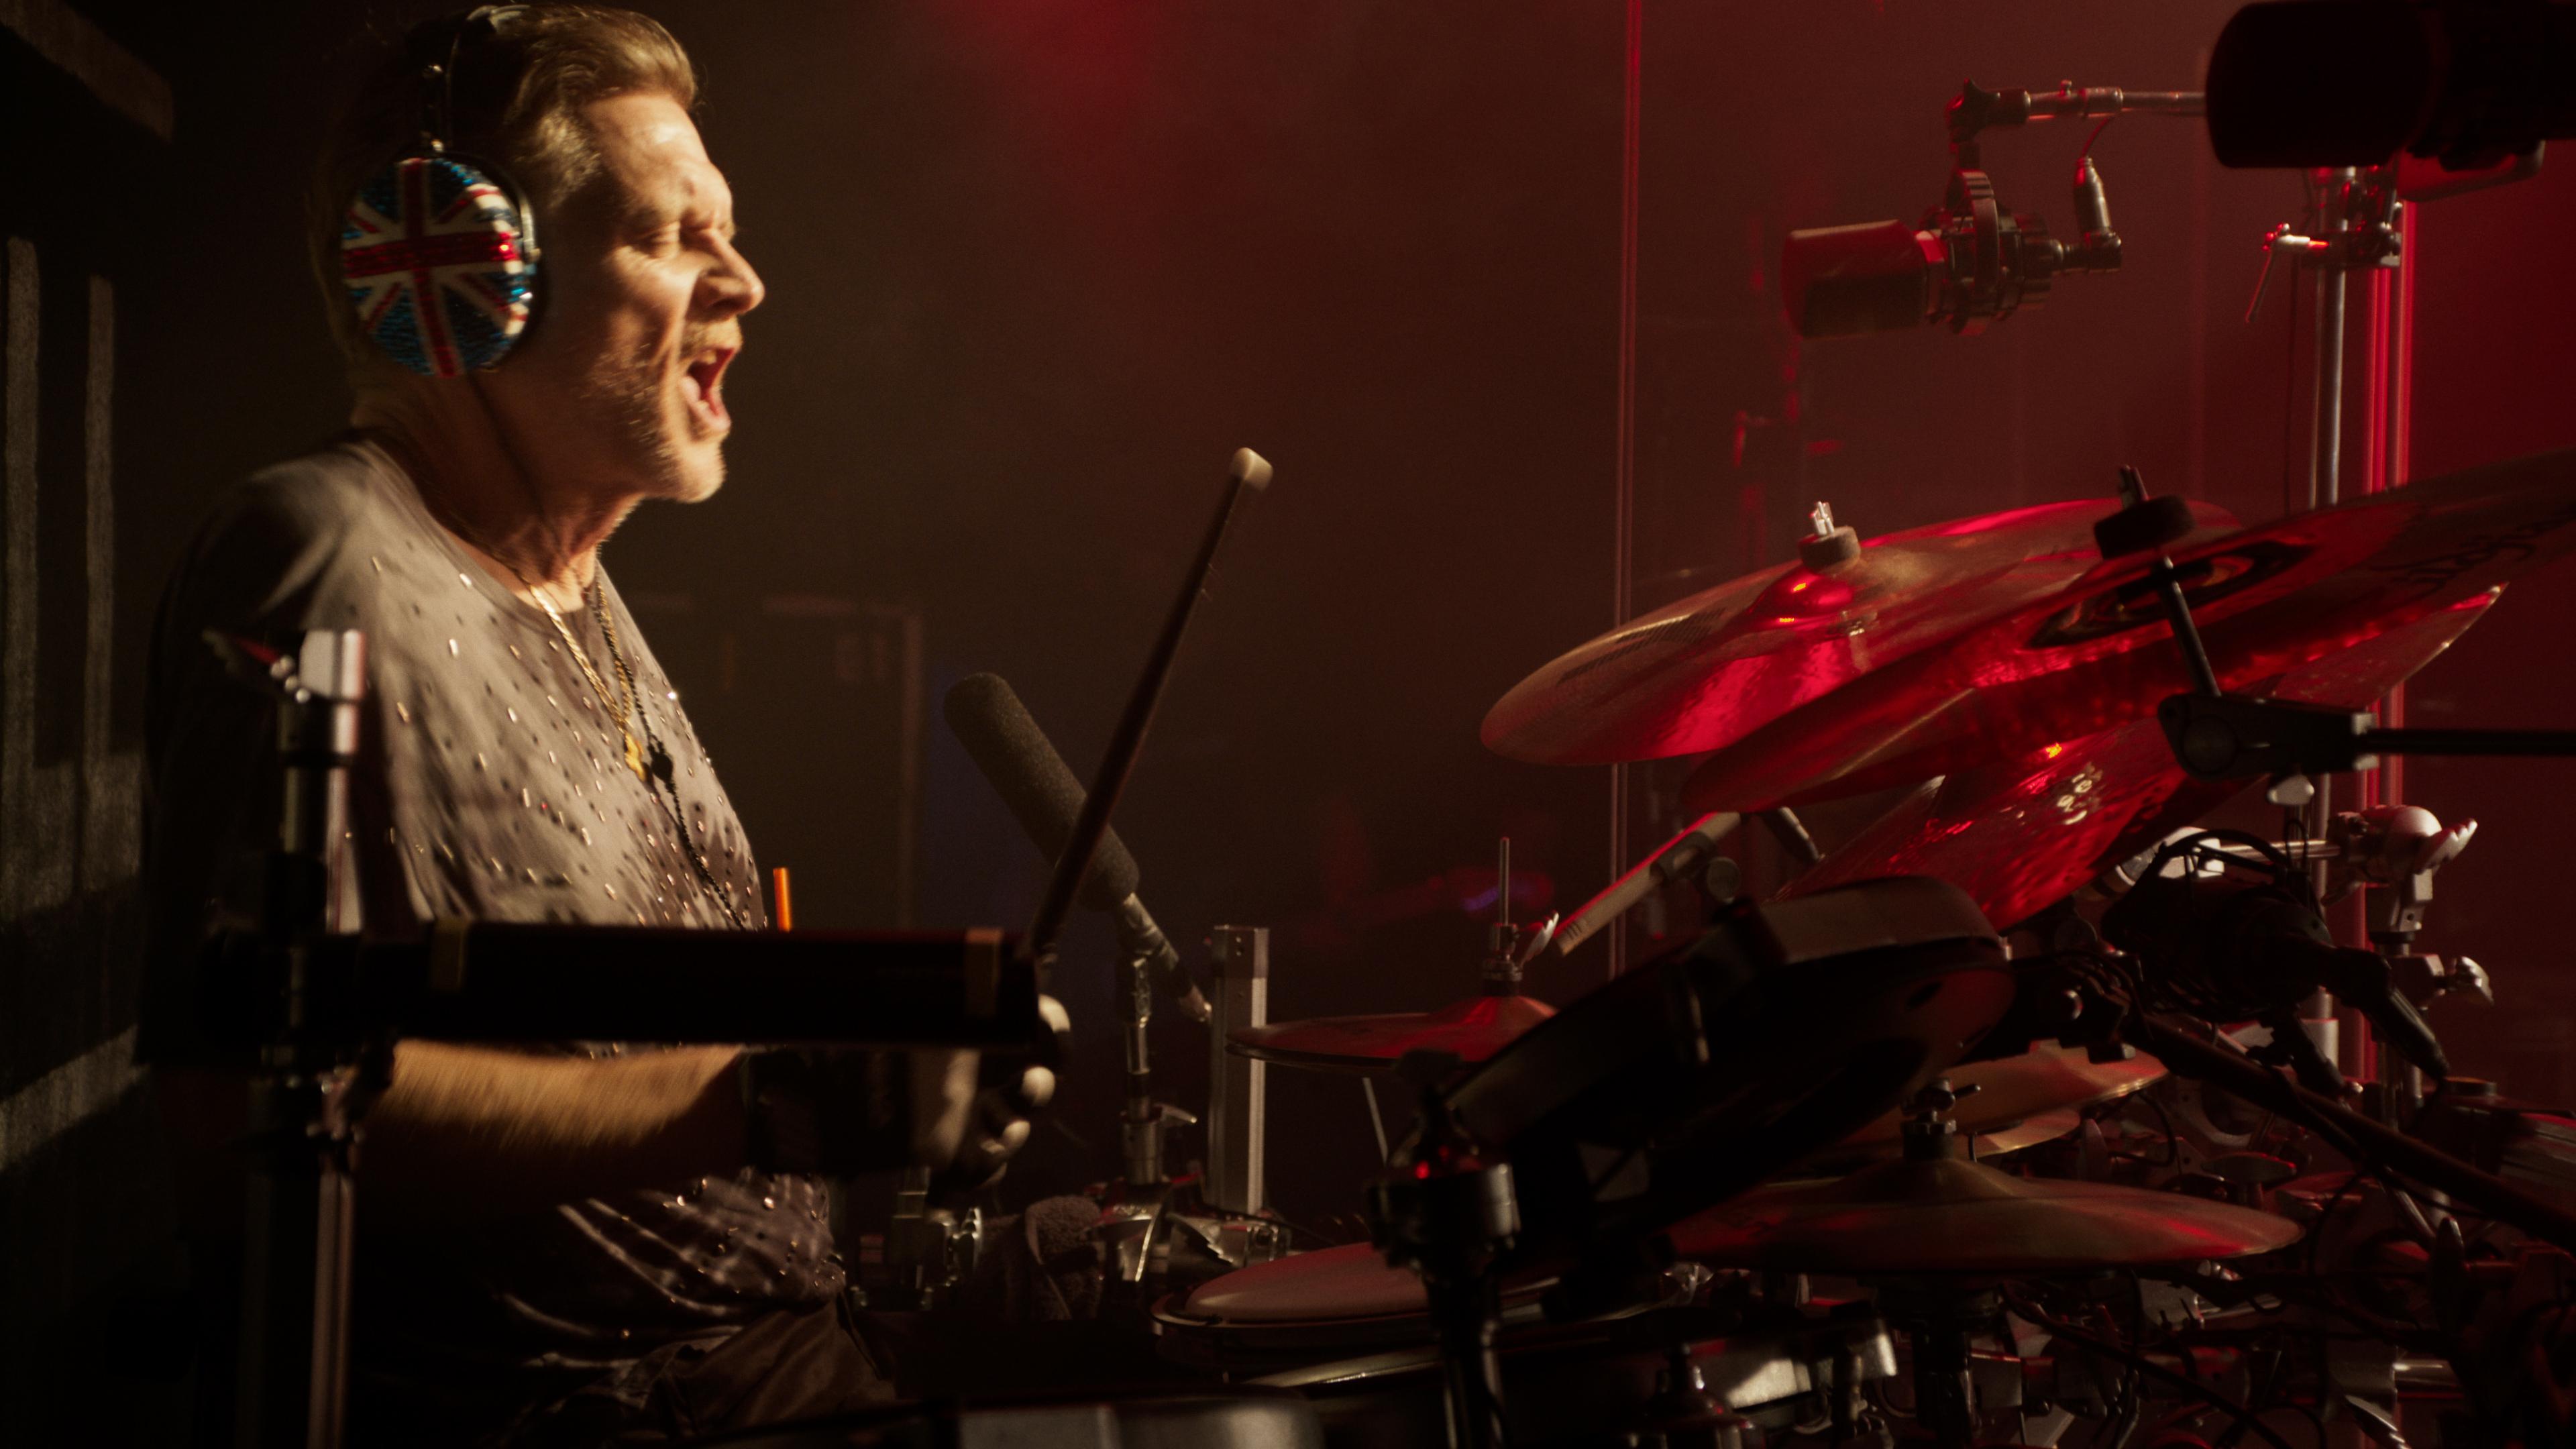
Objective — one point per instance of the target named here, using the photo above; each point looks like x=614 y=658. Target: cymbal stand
x=1510 y=948
x=1447 y=1211
x=311 y=1085
x=1938 y=1315
x=2220 y=736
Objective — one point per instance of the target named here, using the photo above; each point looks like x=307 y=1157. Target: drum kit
x=2024 y=1113
x=1849 y=1167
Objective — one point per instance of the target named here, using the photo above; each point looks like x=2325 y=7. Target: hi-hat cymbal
x=2019 y=834
x=2099 y=653
x=1472 y=1030
x=2010 y=1091
x=1950 y=1215
x=1712 y=668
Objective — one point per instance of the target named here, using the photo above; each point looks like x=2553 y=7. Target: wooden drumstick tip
x=1250 y=469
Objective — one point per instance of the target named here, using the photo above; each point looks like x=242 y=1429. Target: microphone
x=1842 y=281
x=1023 y=767
x=2232 y=950
x=1677 y=856
x=2353 y=82
x=1972 y=262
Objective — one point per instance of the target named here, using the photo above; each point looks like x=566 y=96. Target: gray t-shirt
x=491 y=784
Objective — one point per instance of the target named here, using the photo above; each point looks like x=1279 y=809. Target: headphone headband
x=438 y=77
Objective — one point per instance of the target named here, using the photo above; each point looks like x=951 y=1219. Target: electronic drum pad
x=1696 y=1075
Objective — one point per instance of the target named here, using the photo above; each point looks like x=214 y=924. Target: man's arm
x=467 y=1134
x=470 y=1132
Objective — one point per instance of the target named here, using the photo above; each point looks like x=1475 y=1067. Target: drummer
x=567 y=1246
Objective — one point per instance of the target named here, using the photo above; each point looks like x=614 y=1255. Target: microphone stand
x=304 y=1106
x=1141 y=1122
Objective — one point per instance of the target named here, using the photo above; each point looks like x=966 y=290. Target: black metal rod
x=2480 y=1190
x=2530 y=743
x=1249 y=473
x=1466 y=1311
x=2168 y=585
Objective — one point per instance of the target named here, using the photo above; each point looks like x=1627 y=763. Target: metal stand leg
x=1238 y=1086
x=1467 y=1310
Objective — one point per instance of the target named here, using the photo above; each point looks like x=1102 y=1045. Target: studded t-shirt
x=491 y=784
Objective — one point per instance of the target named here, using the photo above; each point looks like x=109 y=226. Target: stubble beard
x=631 y=395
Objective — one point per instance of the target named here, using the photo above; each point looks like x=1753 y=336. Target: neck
x=526 y=535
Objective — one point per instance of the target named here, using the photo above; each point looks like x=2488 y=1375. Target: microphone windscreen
x=1025 y=770
x=1841 y=281
x=2320 y=82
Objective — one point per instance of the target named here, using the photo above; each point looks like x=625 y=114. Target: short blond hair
x=519 y=92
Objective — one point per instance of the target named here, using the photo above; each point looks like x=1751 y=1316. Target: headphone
x=439 y=250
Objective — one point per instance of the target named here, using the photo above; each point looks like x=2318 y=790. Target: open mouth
x=703 y=383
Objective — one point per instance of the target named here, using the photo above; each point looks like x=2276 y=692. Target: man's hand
x=843 y=1112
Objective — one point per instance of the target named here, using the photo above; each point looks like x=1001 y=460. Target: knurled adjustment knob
x=1828 y=546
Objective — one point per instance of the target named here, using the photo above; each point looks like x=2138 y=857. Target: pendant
x=634 y=754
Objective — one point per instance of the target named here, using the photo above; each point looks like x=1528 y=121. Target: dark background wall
x=1035 y=269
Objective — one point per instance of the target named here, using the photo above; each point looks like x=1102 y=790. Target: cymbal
x=1710 y=669
x=2098 y=652
x=1472 y=1030
x=2020 y=834
x=1950 y=1215
x=2030 y=1132
x=2041 y=1083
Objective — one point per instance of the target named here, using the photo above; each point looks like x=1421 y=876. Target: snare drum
x=1328 y=1304
x=1351 y=1334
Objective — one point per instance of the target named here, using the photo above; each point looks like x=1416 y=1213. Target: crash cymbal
x=2009 y=1091
x=1712 y=668
x=1472 y=1030
x=1950 y=1215
x=2020 y=834
x=2030 y=1132
x=2099 y=652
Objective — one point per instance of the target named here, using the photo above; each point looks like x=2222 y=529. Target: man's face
x=641 y=314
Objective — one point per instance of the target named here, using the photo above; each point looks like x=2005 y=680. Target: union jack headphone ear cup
x=440 y=258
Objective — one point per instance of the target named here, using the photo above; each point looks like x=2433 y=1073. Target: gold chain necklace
x=659 y=762
x=619 y=710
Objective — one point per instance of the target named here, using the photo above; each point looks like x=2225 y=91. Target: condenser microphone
x=1842 y=281
x=1024 y=769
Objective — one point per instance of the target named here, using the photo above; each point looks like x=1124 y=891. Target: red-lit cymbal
x=2019 y=834
x=1712 y=668
x=1472 y=1030
x=2099 y=653
x=1949 y=1215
